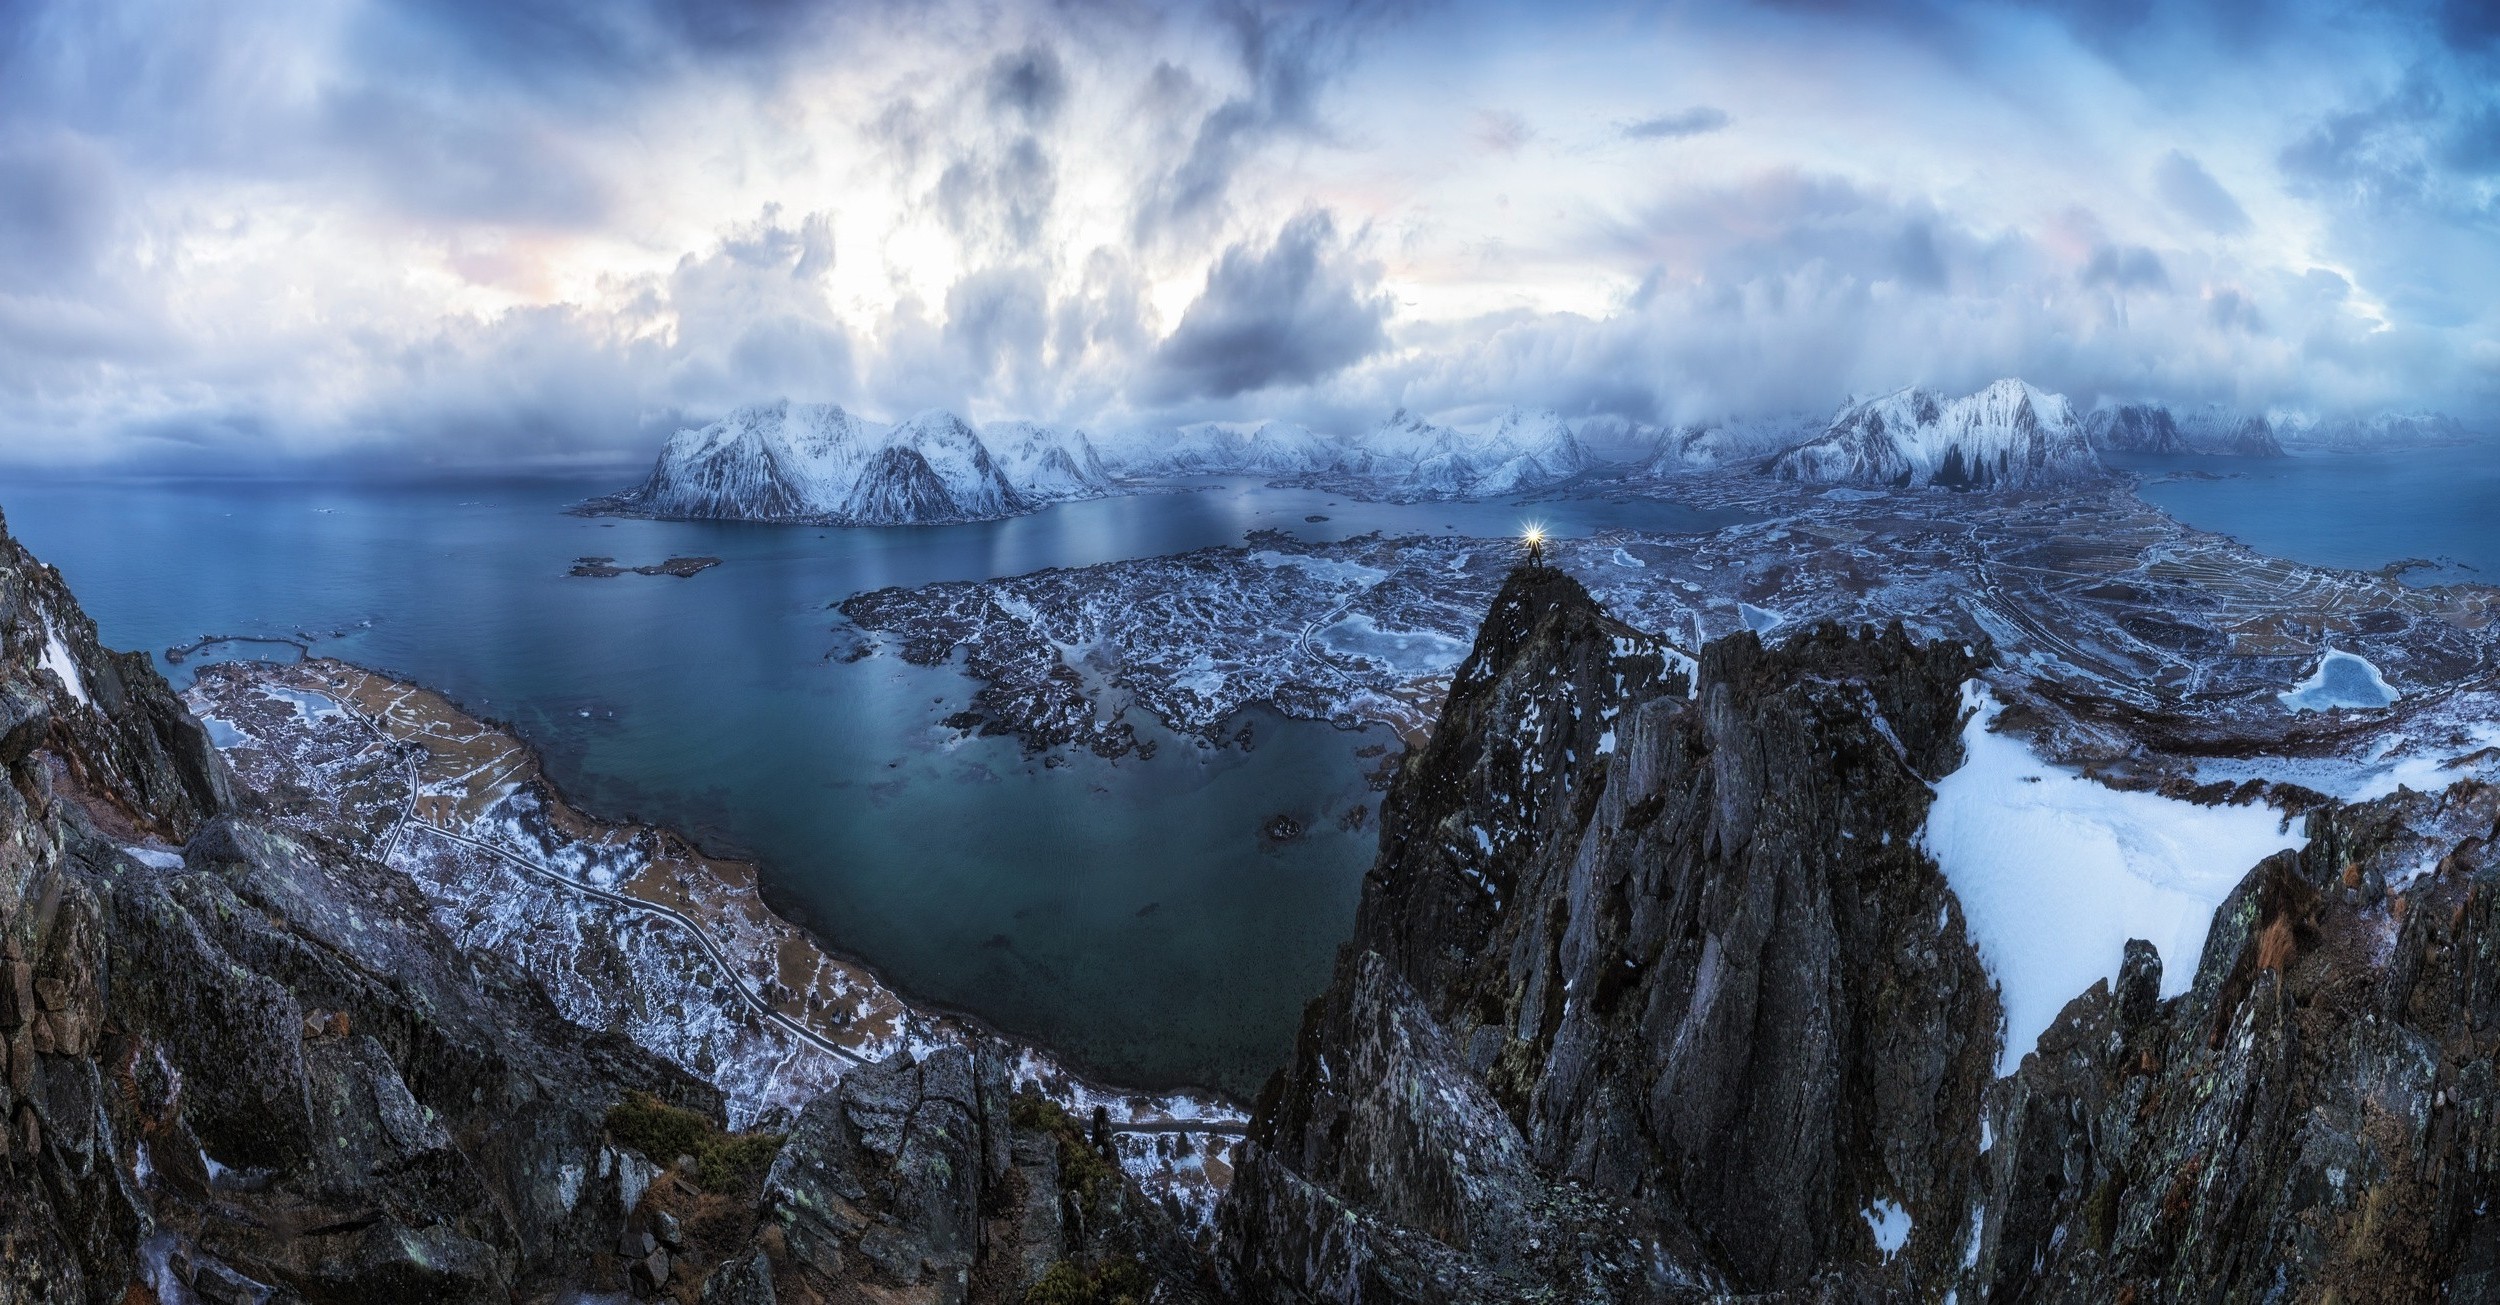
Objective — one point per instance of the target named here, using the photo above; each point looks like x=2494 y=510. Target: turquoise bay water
x=1127 y=914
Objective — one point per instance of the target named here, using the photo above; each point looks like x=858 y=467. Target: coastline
x=631 y=927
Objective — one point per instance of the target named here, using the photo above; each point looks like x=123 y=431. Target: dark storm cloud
x=616 y=39
x=1030 y=83
x=56 y=202
x=1699 y=120
x=805 y=251
x=2187 y=187
x=2126 y=267
x=999 y=199
x=998 y=315
x=1782 y=219
x=1287 y=58
x=1296 y=312
x=430 y=159
x=2230 y=310
x=1018 y=177
x=2424 y=146
x=2410 y=185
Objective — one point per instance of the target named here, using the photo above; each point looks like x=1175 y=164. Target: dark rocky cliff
x=2314 y=1119
x=243 y=1068
x=1650 y=996
x=1653 y=998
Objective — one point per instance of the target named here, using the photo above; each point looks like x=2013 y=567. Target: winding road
x=711 y=949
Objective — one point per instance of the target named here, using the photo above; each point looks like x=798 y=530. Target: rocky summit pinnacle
x=1655 y=996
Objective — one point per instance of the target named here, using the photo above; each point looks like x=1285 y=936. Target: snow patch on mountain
x=2056 y=872
x=2007 y=436
x=818 y=463
x=1727 y=442
x=2158 y=428
x=1409 y=457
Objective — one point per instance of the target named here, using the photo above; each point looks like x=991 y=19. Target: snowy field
x=2057 y=872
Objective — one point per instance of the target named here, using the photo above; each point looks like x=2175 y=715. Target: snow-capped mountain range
x=1278 y=448
x=2007 y=436
x=817 y=463
x=1404 y=457
x=1710 y=445
x=1524 y=449
x=2156 y=428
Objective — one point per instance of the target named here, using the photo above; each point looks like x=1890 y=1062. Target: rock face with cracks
x=1653 y=997
x=239 y=1064
x=1650 y=992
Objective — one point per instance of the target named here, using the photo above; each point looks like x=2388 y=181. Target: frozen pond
x=2342 y=680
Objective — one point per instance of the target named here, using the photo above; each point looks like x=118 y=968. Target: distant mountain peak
x=2008 y=435
x=818 y=463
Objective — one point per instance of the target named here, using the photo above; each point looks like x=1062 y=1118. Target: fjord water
x=1127 y=914
x=2356 y=510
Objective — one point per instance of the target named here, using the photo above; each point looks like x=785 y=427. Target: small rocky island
x=604 y=568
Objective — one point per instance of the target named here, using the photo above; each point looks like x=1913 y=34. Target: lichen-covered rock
x=2312 y=1119
x=924 y=1180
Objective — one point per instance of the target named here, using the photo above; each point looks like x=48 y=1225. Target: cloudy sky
x=455 y=233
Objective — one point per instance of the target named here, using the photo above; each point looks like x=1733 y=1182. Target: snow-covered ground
x=64 y=667
x=2056 y=872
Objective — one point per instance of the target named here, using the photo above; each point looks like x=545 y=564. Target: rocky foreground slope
x=1654 y=997
x=244 y=1064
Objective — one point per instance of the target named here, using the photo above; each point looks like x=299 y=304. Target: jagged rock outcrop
x=930 y=1181
x=1651 y=995
x=236 y=1065
x=253 y=1069
x=2314 y=1119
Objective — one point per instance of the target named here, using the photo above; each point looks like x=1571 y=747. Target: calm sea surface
x=2360 y=510
x=1127 y=914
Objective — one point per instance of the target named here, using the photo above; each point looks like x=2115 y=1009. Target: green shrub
x=724 y=1162
x=1120 y=1282
x=1082 y=1169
